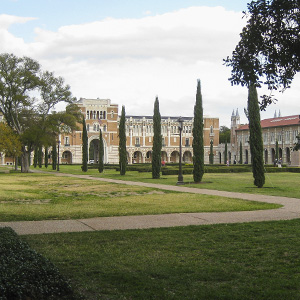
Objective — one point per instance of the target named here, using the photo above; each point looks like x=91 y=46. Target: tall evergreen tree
x=276 y=150
x=241 y=152
x=84 y=166
x=225 y=153
x=256 y=142
x=40 y=156
x=101 y=153
x=35 y=156
x=46 y=157
x=211 y=152
x=122 y=143
x=157 y=142
x=198 y=146
x=54 y=156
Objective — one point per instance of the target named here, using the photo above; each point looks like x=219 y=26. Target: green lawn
x=44 y=196
x=236 y=261
x=277 y=184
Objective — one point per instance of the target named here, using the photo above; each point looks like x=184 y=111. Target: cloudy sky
x=131 y=51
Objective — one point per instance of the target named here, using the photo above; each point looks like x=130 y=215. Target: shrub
x=25 y=274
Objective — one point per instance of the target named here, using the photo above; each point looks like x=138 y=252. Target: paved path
x=290 y=210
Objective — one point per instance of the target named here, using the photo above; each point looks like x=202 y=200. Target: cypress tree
x=84 y=166
x=101 y=153
x=35 y=156
x=241 y=152
x=256 y=142
x=54 y=156
x=198 y=146
x=46 y=157
x=157 y=141
x=122 y=143
x=40 y=156
x=211 y=153
x=225 y=154
x=276 y=150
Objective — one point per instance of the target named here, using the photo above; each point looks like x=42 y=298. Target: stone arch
x=174 y=157
x=164 y=156
x=288 y=155
x=148 y=158
x=137 y=157
x=66 y=157
x=94 y=154
x=266 y=156
x=273 y=155
x=187 y=157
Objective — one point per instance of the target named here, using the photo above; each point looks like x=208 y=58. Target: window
x=265 y=137
x=137 y=142
x=67 y=142
x=104 y=128
x=101 y=115
x=211 y=130
x=287 y=136
x=87 y=114
x=98 y=127
x=295 y=133
x=94 y=115
x=112 y=114
x=95 y=127
x=187 y=142
x=272 y=137
x=150 y=139
x=88 y=127
x=112 y=136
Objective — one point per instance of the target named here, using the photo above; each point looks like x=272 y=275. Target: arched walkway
x=66 y=157
x=187 y=157
x=94 y=150
x=266 y=156
x=148 y=158
x=288 y=155
x=164 y=156
x=137 y=157
x=174 y=157
x=273 y=155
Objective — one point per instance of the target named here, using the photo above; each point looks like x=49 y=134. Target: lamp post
x=58 y=143
x=180 y=127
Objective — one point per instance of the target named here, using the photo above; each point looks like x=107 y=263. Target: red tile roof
x=276 y=122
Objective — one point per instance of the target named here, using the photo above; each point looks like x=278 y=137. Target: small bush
x=25 y=274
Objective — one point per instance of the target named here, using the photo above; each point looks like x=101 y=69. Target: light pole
x=180 y=127
x=58 y=143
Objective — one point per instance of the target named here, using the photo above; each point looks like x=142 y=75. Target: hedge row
x=25 y=274
x=174 y=171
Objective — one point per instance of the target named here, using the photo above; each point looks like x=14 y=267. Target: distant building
x=102 y=114
x=282 y=129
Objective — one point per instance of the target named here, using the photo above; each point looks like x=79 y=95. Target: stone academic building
x=284 y=130
x=102 y=114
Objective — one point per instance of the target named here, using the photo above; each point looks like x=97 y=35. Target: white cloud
x=131 y=61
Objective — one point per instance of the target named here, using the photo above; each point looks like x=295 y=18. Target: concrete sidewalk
x=290 y=210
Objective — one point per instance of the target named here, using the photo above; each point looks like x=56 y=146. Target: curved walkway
x=290 y=210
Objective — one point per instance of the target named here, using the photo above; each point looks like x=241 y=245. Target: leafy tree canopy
x=224 y=135
x=10 y=143
x=269 y=50
x=29 y=117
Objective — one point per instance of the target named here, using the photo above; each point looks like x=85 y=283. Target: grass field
x=237 y=261
x=277 y=184
x=44 y=196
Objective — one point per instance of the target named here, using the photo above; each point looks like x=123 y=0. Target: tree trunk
x=24 y=160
